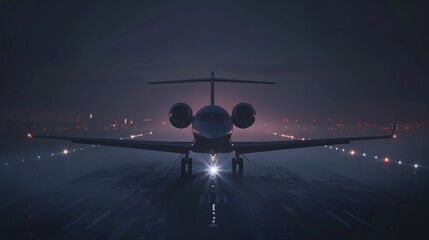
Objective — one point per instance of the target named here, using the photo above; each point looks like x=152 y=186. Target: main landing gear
x=237 y=161
x=186 y=161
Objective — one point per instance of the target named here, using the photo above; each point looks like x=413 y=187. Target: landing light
x=416 y=165
x=352 y=152
x=66 y=151
x=29 y=135
x=213 y=170
x=386 y=159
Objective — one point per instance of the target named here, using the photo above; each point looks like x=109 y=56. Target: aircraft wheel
x=190 y=166
x=234 y=166
x=240 y=167
x=183 y=167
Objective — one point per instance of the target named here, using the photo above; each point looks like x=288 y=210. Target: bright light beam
x=213 y=170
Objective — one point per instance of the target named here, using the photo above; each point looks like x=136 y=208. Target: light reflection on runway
x=153 y=202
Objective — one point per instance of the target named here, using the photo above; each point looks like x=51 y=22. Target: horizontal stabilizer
x=210 y=79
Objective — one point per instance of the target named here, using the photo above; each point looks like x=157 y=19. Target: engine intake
x=180 y=115
x=243 y=115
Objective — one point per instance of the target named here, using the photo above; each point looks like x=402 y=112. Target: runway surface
x=153 y=202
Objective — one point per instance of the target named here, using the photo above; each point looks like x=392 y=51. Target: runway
x=272 y=201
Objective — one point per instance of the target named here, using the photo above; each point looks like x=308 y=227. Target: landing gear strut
x=237 y=161
x=186 y=161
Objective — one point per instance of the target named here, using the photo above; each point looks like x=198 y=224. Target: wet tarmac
x=272 y=201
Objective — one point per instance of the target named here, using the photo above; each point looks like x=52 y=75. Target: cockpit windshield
x=217 y=117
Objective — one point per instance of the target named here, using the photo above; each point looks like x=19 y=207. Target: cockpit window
x=219 y=117
x=207 y=117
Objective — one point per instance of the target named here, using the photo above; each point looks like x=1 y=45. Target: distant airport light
x=416 y=165
x=38 y=157
x=65 y=151
x=150 y=133
x=330 y=147
x=394 y=136
x=386 y=159
x=364 y=154
x=376 y=157
x=352 y=152
x=29 y=135
x=343 y=150
x=399 y=162
x=336 y=148
x=326 y=146
x=5 y=164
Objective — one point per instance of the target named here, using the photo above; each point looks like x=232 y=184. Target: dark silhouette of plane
x=212 y=127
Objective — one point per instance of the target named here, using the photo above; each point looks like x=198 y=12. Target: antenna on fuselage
x=212 y=80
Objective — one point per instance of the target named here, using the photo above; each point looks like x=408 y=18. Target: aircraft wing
x=252 y=147
x=174 y=147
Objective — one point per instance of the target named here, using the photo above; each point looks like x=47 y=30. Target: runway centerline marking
x=74 y=221
x=358 y=219
x=339 y=219
x=97 y=220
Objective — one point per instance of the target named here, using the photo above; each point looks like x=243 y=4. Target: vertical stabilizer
x=212 y=89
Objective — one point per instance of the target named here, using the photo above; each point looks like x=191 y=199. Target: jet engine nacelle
x=180 y=115
x=243 y=115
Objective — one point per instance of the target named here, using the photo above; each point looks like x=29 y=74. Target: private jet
x=212 y=127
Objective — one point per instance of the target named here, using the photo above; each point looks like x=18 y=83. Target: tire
x=190 y=166
x=234 y=166
x=240 y=167
x=183 y=167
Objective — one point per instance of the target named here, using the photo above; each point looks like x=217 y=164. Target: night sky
x=354 y=60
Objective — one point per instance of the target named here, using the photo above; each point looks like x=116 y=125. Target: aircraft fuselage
x=212 y=128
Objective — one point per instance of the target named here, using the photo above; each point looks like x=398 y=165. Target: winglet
x=30 y=131
x=392 y=135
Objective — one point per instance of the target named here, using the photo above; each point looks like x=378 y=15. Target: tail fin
x=212 y=80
